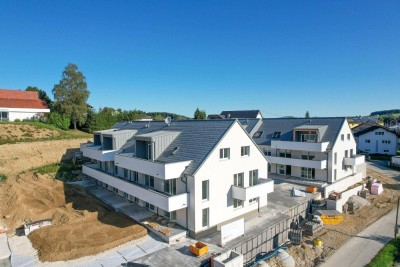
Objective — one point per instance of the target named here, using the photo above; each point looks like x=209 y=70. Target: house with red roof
x=15 y=104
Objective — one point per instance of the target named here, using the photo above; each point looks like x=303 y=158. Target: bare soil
x=334 y=236
x=81 y=225
x=17 y=132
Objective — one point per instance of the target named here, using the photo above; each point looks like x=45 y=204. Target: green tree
x=199 y=114
x=158 y=117
x=307 y=115
x=42 y=95
x=71 y=94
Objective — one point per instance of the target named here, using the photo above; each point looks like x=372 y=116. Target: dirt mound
x=81 y=225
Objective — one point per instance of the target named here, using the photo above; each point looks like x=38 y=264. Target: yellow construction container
x=199 y=249
x=317 y=242
x=330 y=216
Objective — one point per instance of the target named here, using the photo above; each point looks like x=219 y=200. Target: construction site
x=78 y=224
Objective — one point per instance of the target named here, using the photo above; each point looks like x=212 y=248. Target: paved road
x=360 y=250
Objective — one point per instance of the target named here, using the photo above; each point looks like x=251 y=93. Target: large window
x=3 y=116
x=308 y=173
x=205 y=190
x=224 y=153
x=205 y=217
x=150 y=206
x=134 y=176
x=309 y=137
x=245 y=151
x=149 y=181
x=238 y=179
x=253 y=177
x=335 y=158
x=170 y=186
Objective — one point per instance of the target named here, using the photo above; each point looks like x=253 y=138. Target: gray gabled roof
x=196 y=139
x=285 y=126
x=240 y=114
x=366 y=128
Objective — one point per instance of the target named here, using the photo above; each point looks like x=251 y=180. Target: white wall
x=21 y=113
x=220 y=173
x=376 y=146
x=339 y=147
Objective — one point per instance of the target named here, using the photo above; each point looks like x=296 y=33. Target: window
x=253 y=177
x=238 y=179
x=282 y=169
x=379 y=133
x=150 y=206
x=257 y=134
x=367 y=141
x=126 y=195
x=115 y=190
x=170 y=215
x=351 y=153
x=308 y=173
x=346 y=153
x=3 y=116
x=116 y=170
x=237 y=203
x=342 y=137
x=253 y=200
x=348 y=136
x=224 y=153
x=386 y=151
x=170 y=186
x=149 y=181
x=205 y=190
x=267 y=152
x=134 y=176
x=149 y=151
x=335 y=158
x=308 y=156
x=126 y=173
x=276 y=134
x=136 y=200
x=309 y=137
x=245 y=151
x=269 y=167
x=205 y=217
x=385 y=141
x=285 y=153
x=335 y=174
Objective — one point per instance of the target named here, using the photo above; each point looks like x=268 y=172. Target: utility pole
x=397 y=218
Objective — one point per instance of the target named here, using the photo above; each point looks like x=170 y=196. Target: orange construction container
x=199 y=249
x=311 y=189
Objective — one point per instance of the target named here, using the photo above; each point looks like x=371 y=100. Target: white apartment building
x=200 y=174
x=316 y=149
x=376 y=139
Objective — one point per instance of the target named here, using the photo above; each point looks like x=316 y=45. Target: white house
x=200 y=173
x=376 y=139
x=317 y=149
x=21 y=105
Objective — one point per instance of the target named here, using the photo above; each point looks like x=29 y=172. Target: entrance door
x=275 y=242
x=288 y=169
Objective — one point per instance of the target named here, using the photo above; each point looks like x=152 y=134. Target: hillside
x=393 y=112
x=35 y=131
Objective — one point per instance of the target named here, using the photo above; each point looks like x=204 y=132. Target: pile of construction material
x=356 y=202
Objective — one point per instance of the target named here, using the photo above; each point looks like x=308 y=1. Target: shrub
x=59 y=121
x=17 y=120
x=387 y=256
x=3 y=177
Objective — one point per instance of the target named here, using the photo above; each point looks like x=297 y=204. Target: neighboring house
x=21 y=105
x=199 y=173
x=356 y=121
x=376 y=139
x=317 y=149
x=236 y=114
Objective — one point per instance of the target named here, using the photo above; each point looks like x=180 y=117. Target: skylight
x=257 y=134
x=276 y=135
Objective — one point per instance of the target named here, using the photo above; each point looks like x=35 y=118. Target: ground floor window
x=281 y=169
x=126 y=195
x=4 y=116
x=237 y=203
x=150 y=206
x=205 y=217
x=308 y=173
x=253 y=200
x=170 y=215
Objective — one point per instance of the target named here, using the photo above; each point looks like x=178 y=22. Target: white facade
x=23 y=113
x=378 y=141
x=200 y=202
x=314 y=161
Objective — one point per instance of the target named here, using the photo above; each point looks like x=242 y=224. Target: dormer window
x=276 y=134
x=257 y=134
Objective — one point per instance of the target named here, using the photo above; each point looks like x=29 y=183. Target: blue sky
x=333 y=58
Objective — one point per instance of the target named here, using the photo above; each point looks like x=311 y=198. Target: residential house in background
x=237 y=114
x=376 y=139
x=201 y=174
x=316 y=149
x=21 y=105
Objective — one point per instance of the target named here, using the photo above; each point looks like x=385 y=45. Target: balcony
x=354 y=160
x=92 y=151
x=304 y=146
x=316 y=164
x=254 y=191
x=159 y=199
x=159 y=170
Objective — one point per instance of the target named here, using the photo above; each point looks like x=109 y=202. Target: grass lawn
x=388 y=255
x=62 y=171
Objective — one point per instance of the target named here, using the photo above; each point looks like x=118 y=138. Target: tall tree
x=71 y=95
x=42 y=95
x=307 y=115
x=199 y=114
